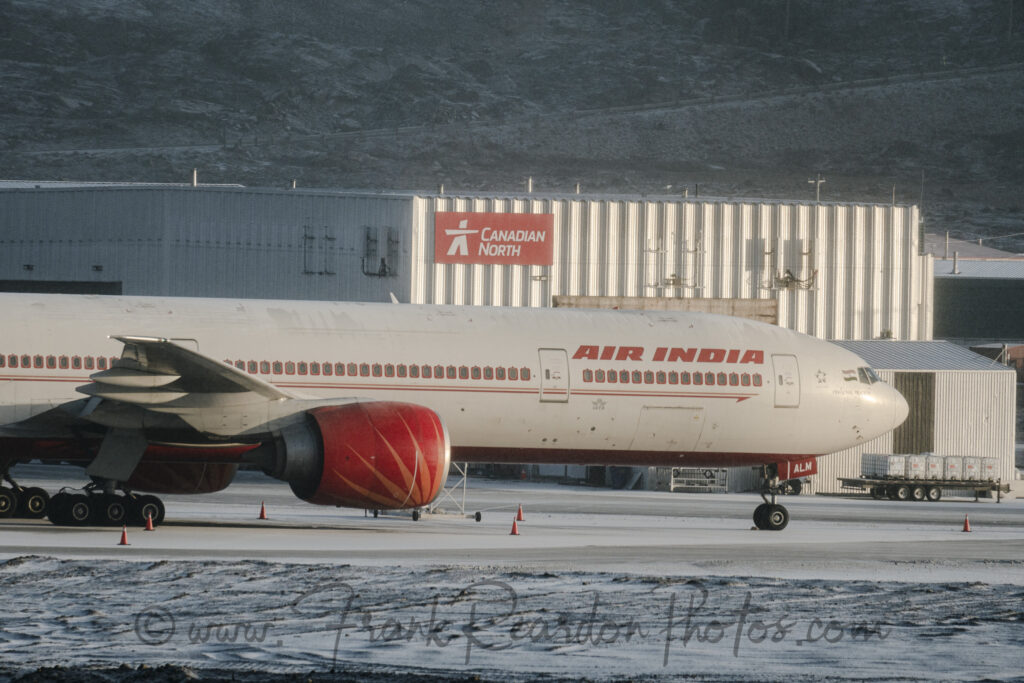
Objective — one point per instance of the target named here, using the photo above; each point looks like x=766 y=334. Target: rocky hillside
x=734 y=98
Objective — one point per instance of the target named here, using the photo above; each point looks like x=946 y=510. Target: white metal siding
x=866 y=276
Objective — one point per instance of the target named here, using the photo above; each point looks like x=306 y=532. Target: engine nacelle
x=374 y=455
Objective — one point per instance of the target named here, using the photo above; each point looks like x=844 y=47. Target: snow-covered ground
x=598 y=584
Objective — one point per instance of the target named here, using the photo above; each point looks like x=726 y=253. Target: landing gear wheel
x=144 y=507
x=933 y=494
x=57 y=510
x=478 y=516
x=771 y=517
x=79 y=509
x=8 y=502
x=33 y=503
x=918 y=493
x=415 y=515
x=111 y=509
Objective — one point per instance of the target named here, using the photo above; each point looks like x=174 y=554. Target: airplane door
x=554 y=375
x=787 y=381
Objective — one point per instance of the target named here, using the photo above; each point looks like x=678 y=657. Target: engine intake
x=376 y=455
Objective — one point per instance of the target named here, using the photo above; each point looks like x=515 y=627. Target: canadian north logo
x=494 y=238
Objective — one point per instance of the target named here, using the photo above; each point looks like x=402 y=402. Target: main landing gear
x=770 y=515
x=20 y=501
x=94 y=506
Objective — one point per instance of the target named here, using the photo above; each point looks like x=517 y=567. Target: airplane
x=365 y=405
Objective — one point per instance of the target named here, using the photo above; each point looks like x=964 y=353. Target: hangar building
x=836 y=271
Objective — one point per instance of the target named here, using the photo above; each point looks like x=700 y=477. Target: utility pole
x=817 y=187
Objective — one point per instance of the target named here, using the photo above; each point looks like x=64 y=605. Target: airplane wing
x=159 y=376
x=153 y=370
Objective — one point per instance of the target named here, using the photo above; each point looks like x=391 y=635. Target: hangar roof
x=936 y=356
x=991 y=269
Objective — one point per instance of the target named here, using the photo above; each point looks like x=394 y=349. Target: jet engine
x=373 y=455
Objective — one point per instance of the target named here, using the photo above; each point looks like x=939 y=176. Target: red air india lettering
x=671 y=355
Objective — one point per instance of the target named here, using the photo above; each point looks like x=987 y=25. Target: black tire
x=478 y=516
x=877 y=492
x=760 y=513
x=933 y=494
x=145 y=506
x=80 y=508
x=918 y=493
x=776 y=517
x=111 y=509
x=33 y=503
x=795 y=487
x=57 y=510
x=8 y=502
x=901 y=492
x=415 y=515
x=376 y=513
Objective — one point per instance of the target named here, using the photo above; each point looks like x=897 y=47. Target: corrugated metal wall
x=838 y=271
x=224 y=242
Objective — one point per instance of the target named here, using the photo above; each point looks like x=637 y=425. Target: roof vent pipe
x=195 y=177
x=529 y=184
x=956 y=264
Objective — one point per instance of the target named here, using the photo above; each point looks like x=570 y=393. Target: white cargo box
x=883 y=466
x=972 y=469
x=954 y=465
x=934 y=467
x=915 y=467
x=989 y=469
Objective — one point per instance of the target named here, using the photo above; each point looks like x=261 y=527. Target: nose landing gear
x=770 y=515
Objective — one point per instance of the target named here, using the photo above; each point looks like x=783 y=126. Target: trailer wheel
x=918 y=493
x=877 y=492
x=901 y=492
x=934 y=494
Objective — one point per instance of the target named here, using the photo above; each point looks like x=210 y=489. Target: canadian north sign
x=514 y=239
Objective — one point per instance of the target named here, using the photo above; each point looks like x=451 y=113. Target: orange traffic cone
x=149 y=522
x=519 y=515
x=263 y=511
x=967 y=524
x=515 y=528
x=124 y=536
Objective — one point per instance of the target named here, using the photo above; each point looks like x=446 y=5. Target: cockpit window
x=867 y=376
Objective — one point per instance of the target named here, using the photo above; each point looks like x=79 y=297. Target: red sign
x=793 y=469
x=512 y=239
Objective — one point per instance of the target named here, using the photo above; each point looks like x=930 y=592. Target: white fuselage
x=515 y=385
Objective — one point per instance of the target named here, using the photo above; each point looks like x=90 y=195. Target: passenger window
x=709 y=378
x=89 y=363
x=76 y=362
x=314 y=368
x=648 y=377
x=364 y=370
x=253 y=367
x=513 y=374
x=673 y=377
x=613 y=377
x=289 y=367
x=499 y=373
x=588 y=375
x=757 y=379
x=278 y=367
x=64 y=362
x=463 y=372
x=599 y=376
x=637 y=378
x=303 y=367
x=475 y=373
x=623 y=376
x=101 y=363
x=722 y=379
x=488 y=372
x=698 y=379
x=524 y=374
x=414 y=371
x=264 y=367
x=12 y=360
x=403 y=370
x=389 y=370
x=328 y=369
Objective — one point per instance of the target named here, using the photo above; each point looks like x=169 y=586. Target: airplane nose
x=900 y=408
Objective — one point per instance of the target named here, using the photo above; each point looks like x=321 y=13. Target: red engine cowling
x=375 y=455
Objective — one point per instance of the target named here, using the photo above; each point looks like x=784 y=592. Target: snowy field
x=599 y=584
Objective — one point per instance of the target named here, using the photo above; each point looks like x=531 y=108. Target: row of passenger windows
x=277 y=367
x=55 y=362
x=732 y=379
